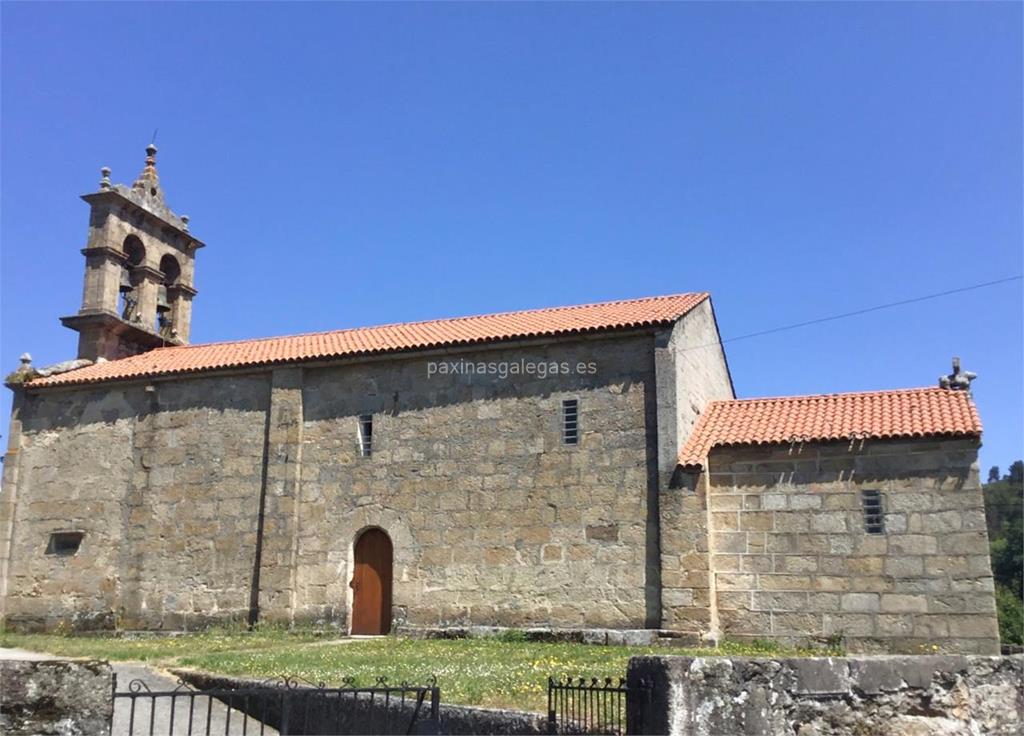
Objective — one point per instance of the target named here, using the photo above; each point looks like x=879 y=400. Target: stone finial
x=148 y=182
x=957 y=380
x=26 y=360
x=184 y=221
x=105 y=181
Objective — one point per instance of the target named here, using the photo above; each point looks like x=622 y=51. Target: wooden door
x=371 y=584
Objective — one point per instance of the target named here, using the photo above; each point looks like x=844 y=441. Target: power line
x=858 y=312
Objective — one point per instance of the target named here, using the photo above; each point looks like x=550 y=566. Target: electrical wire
x=858 y=312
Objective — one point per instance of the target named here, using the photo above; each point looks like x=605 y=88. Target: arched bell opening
x=128 y=301
x=171 y=270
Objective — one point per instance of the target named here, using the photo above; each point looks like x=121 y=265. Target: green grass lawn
x=489 y=672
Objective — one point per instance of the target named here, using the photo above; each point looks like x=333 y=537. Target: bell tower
x=139 y=270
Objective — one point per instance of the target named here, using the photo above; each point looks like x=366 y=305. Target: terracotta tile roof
x=906 y=413
x=653 y=311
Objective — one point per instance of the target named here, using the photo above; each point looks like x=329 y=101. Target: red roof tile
x=653 y=311
x=906 y=413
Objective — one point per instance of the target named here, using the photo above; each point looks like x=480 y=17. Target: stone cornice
x=147 y=273
x=112 y=196
x=183 y=290
x=106 y=252
x=134 y=331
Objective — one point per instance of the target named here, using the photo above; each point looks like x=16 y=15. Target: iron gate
x=595 y=706
x=284 y=707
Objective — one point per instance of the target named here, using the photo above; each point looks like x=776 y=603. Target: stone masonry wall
x=701 y=374
x=73 y=470
x=691 y=371
x=836 y=696
x=686 y=578
x=494 y=519
x=193 y=511
x=205 y=499
x=791 y=557
x=164 y=486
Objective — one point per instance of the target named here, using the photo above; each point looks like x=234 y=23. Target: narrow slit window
x=64 y=544
x=874 y=514
x=365 y=434
x=571 y=421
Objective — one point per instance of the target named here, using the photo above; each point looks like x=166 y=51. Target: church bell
x=162 y=305
x=126 y=282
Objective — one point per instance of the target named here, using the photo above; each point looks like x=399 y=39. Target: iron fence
x=595 y=706
x=285 y=707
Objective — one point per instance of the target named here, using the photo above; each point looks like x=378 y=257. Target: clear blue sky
x=358 y=164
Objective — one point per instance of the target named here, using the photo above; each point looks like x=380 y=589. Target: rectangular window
x=571 y=421
x=874 y=515
x=64 y=544
x=365 y=434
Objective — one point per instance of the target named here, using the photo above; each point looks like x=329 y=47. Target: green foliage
x=1016 y=474
x=1010 y=610
x=1004 y=515
x=511 y=636
x=153 y=648
x=831 y=647
x=489 y=672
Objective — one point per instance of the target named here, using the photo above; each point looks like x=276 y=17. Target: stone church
x=583 y=468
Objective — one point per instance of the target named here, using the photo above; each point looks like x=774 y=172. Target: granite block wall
x=204 y=499
x=494 y=519
x=73 y=468
x=686 y=573
x=163 y=485
x=792 y=558
x=691 y=371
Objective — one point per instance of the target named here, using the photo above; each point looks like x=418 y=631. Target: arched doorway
x=371 y=583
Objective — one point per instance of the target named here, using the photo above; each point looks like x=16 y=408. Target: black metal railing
x=285 y=707
x=595 y=706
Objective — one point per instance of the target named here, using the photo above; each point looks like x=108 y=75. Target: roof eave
x=67 y=381
x=693 y=466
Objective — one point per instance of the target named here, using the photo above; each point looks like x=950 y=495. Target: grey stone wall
x=58 y=697
x=686 y=578
x=701 y=372
x=690 y=371
x=73 y=470
x=791 y=557
x=198 y=470
x=494 y=519
x=204 y=498
x=163 y=485
x=718 y=696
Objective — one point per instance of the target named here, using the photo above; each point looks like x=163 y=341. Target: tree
x=1010 y=611
x=993 y=474
x=1004 y=517
x=1016 y=475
